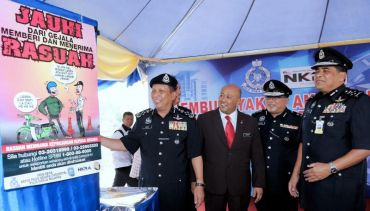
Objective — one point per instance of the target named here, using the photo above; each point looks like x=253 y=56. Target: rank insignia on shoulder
x=185 y=111
x=146 y=111
x=335 y=108
x=177 y=125
x=354 y=93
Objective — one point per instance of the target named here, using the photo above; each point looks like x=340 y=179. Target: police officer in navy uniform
x=167 y=138
x=279 y=129
x=335 y=140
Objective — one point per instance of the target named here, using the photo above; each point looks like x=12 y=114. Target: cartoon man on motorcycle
x=52 y=106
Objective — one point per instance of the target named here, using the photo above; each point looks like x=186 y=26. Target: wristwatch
x=333 y=168
x=199 y=184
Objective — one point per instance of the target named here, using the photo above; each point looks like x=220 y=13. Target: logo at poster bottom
x=255 y=77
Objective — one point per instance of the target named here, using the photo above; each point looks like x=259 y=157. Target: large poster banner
x=49 y=107
x=202 y=81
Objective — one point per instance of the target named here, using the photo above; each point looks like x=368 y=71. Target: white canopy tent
x=178 y=30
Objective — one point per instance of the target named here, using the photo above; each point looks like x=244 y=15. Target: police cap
x=79 y=83
x=275 y=88
x=331 y=57
x=164 y=78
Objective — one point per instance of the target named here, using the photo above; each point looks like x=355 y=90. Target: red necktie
x=229 y=132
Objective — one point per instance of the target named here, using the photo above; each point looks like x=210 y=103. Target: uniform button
x=274 y=121
x=272 y=129
x=161 y=142
x=159 y=164
x=177 y=134
x=289 y=172
x=307 y=157
x=161 y=132
x=287 y=132
x=331 y=116
x=314 y=117
x=311 y=130
x=268 y=157
x=319 y=106
x=270 y=138
x=162 y=122
x=340 y=174
x=159 y=175
x=268 y=167
x=146 y=133
x=308 y=144
x=160 y=153
x=269 y=147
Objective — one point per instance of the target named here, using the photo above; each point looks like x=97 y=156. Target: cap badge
x=321 y=54
x=166 y=79
x=271 y=85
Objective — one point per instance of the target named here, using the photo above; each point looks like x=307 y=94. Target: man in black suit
x=227 y=156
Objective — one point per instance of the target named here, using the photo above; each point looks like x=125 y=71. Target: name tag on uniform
x=247 y=135
x=289 y=126
x=177 y=125
x=319 y=127
x=335 y=108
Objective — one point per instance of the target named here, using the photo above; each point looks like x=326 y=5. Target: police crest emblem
x=255 y=77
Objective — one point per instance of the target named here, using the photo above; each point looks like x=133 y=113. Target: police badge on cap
x=331 y=57
x=274 y=88
x=164 y=78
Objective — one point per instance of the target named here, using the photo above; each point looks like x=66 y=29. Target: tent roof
x=173 y=29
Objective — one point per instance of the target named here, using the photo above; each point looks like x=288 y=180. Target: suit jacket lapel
x=219 y=127
x=239 y=122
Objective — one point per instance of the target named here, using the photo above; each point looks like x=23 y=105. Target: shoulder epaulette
x=347 y=94
x=354 y=93
x=187 y=113
x=146 y=111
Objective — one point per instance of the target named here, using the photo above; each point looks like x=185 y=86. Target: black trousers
x=217 y=202
x=277 y=202
x=122 y=177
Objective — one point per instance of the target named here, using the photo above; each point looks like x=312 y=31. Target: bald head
x=233 y=88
